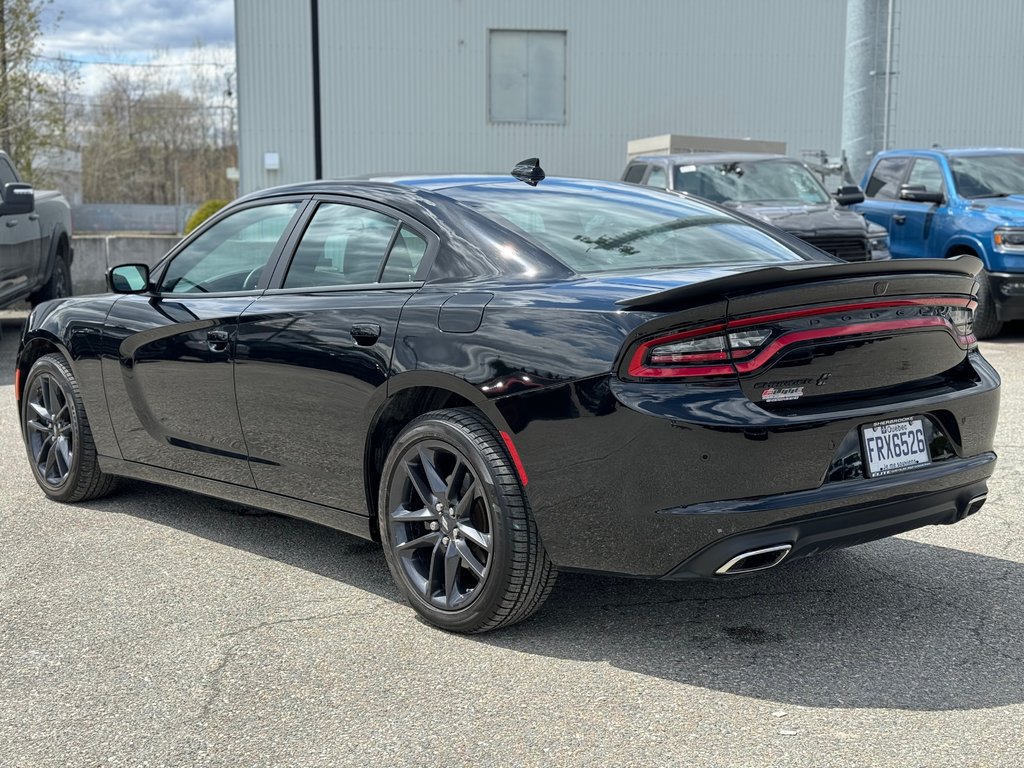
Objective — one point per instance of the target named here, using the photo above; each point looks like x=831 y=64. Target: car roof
x=953 y=151
x=694 y=158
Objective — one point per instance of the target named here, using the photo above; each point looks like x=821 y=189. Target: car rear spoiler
x=776 y=276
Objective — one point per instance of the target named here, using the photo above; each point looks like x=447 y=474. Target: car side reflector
x=516 y=461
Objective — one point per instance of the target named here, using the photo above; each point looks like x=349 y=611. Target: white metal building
x=347 y=87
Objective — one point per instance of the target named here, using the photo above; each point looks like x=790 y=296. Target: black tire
x=58 y=285
x=986 y=321
x=450 y=495
x=58 y=439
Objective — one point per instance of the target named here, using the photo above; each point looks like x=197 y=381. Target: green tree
x=25 y=98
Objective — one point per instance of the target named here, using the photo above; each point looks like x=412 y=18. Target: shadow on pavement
x=892 y=624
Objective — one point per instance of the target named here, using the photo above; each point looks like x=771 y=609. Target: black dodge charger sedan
x=499 y=380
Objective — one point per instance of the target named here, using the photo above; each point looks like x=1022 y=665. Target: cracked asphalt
x=159 y=628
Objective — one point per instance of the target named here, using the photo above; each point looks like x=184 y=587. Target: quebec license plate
x=894 y=446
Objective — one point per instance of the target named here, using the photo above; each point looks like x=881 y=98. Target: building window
x=527 y=76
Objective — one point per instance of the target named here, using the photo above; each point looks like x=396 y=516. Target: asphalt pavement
x=160 y=628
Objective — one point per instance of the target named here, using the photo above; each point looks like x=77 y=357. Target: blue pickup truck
x=945 y=202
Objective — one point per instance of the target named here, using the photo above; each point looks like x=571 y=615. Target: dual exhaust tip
x=755 y=560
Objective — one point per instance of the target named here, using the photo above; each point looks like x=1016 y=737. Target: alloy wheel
x=48 y=422
x=441 y=525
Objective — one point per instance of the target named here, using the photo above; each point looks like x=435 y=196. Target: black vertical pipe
x=318 y=160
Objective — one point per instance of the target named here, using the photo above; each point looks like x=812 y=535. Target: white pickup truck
x=35 y=241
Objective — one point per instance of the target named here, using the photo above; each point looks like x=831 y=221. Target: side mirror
x=18 y=198
x=918 y=193
x=128 y=278
x=849 y=195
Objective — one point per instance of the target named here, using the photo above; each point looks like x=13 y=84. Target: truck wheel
x=986 y=321
x=59 y=284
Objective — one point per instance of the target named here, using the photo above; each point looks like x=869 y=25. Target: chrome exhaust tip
x=975 y=504
x=755 y=560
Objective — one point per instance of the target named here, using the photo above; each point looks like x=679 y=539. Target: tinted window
x=7 y=175
x=230 y=255
x=343 y=245
x=657 y=178
x=885 y=179
x=405 y=257
x=927 y=173
x=761 y=181
x=635 y=174
x=989 y=175
x=611 y=227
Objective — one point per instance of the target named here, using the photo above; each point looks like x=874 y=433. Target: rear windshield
x=611 y=227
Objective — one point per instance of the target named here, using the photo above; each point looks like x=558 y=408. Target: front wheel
x=57 y=434
x=58 y=286
x=456 y=526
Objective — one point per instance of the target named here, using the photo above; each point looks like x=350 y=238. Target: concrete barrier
x=95 y=254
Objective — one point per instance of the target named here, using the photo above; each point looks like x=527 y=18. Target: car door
x=912 y=223
x=19 y=244
x=314 y=349
x=881 y=190
x=168 y=374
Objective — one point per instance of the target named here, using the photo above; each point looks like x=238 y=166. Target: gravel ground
x=161 y=628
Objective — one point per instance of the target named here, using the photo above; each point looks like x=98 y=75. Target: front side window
x=885 y=179
x=610 y=228
x=526 y=82
x=762 y=181
x=343 y=245
x=232 y=254
x=634 y=174
x=998 y=175
x=657 y=178
x=7 y=175
x=926 y=173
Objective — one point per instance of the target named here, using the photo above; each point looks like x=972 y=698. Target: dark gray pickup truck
x=778 y=190
x=35 y=241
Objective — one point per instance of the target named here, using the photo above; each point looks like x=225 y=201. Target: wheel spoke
x=428 y=540
x=435 y=556
x=43 y=449
x=437 y=484
x=418 y=483
x=51 y=460
x=481 y=539
x=404 y=515
x=63 y=450
x=466 y=501
x=47 y=395
x=452 y=558
x=470 y=560
x=35 y=425
x=41 y=411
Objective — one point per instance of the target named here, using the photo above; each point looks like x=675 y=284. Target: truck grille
x=846 y=247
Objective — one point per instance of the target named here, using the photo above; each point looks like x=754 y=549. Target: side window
x=343 y=245
x=7 y=175
x=634 y=174
x=885 y=179
x=230 y=255
x=657 y=177
x=928 y=173
x=404 y=258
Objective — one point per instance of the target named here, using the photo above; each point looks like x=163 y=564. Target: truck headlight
x=1009 y=240
x=879 y=245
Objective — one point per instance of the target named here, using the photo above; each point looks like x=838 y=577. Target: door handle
x=899 y=218
x=365 y=334
x=217 y=340
x=11 y=222
x=33 y=217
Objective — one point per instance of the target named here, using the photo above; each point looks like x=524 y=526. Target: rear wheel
x=57 y=434
x=456 y=525
x=986 y=320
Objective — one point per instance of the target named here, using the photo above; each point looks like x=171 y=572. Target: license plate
x=894 y=446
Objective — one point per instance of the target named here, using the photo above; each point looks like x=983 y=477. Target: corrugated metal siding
x=404 y=83
x=960 y=68
x=275 y=90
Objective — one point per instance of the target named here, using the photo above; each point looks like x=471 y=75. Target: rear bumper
x=1008 y=292
x=840 y=515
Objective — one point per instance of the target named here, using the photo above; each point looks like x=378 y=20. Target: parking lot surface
x=156 y=627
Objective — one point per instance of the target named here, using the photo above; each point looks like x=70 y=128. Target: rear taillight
x=746 y=344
